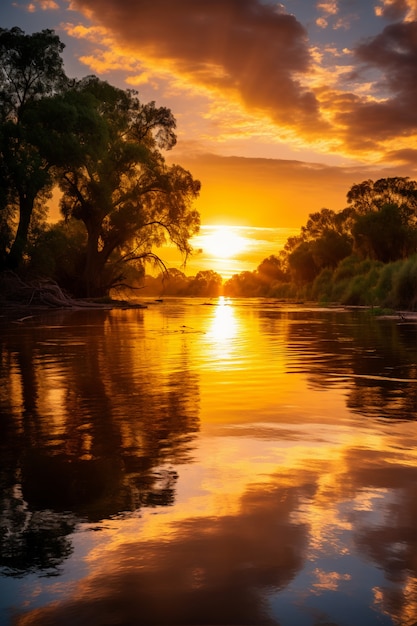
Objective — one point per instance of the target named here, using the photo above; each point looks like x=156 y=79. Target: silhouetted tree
x=117 y=183
x=371 y=196
x=205 y=283
x=302 y=265
x=385 y=224
x=31 y=68
x=271 y=270
x=384 y=235
x=246 y=284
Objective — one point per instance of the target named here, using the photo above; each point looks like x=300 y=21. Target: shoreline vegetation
x=40 y=295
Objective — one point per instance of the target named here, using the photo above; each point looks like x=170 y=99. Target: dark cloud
x=393 y=54
x=407 y=155
x=241 y=45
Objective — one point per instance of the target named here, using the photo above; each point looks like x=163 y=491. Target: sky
x=280 y=107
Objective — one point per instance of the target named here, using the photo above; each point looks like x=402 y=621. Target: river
x=220 y=462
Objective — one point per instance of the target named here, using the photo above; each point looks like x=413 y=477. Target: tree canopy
x=103 y=148
x=31 y=69
x=118 y=184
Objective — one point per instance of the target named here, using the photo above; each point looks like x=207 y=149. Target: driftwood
x=39 y=293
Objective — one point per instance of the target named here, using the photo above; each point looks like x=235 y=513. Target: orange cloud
x=255 y=67
x=42 y=5
x=243 y=48
x=396 y=9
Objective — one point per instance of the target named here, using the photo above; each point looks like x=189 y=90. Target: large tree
x=31 y=69
x=385 y=218
x=370 y=196
x=115 y=180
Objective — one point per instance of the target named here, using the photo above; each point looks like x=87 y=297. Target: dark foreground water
x=218 y=463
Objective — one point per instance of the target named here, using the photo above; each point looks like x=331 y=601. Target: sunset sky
x=280 y=107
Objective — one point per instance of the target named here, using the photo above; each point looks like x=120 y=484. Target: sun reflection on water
x=222 y=347
x=224 y=325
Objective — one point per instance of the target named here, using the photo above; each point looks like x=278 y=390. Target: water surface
x=223 y=462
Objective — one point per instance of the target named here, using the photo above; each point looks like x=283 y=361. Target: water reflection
x=210 y=571
x=222 y=336
x=224 y=325
x=84 y=430
x=377 y=358
x=241 y=463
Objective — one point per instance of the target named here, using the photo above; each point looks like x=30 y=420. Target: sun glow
x=221 y=242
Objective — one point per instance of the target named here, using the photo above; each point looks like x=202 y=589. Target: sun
x=222 y=242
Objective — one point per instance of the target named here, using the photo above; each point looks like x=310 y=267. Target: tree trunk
x=15 y=256
x=93 y=283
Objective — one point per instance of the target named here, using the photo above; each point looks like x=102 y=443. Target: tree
x=245 y=284
x=329 y=249
x=385 y=222
x=270 y=270
x=205 y=283
x=302 y=264
x=384 y=235
x=31 y=68
x=116 y=182
x=173 y=282
x=370 y=196
x=323 y=242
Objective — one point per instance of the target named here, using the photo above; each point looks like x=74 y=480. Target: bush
x=361 y=290
x=405 y=285
x=322 y=289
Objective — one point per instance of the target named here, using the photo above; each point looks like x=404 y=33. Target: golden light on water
x=220 y=346
x=224 y=324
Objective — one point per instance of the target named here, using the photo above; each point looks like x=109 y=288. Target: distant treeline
x=365 y=254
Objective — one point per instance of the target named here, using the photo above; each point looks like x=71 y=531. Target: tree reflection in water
x=298 y=508
x=377 y=357
x=86 y=434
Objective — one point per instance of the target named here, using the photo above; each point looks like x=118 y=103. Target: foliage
x=205 y=283
x=302 y=263
x=119 y=186
x=384 y=235
x=31 y=69
x=271 y=271
x=322 y=286
x=323 y=242
x=405 y=285
x=58 y=252
x=369 y=196
x=173 y=282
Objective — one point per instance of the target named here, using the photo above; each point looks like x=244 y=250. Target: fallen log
x=40 y=293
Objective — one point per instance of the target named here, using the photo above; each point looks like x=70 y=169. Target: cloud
x=248 y=50
x=393 y=54
x=393 y=10
x=42 y=5
x=329 y=8
x=248 y=69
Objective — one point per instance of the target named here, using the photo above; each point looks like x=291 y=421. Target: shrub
x=405 y=285
x=323 y=286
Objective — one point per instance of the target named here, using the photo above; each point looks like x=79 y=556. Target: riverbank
x=36 y=295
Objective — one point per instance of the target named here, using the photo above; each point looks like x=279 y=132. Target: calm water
x=220 y=463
